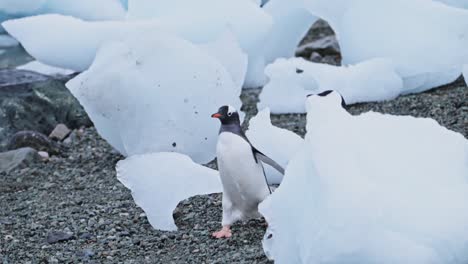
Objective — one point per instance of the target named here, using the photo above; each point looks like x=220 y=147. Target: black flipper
x=267 y=160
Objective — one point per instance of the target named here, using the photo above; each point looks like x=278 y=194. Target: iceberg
x=75 y=42
x=277 y=143
x=291 y=22
x=164 y=99
x=423 y=58
x=84 y=9
x=372 y=188
x=159 y=181
x=263 y=33
x=249 y=23
x=291 y=80
x=71 y=43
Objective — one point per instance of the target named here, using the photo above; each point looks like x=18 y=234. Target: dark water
x=13 y=57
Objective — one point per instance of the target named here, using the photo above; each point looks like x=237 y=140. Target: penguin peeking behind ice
x=242 y=175
x=332 y=95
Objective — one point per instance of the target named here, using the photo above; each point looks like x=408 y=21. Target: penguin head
x=227 y=115
x=329 y=97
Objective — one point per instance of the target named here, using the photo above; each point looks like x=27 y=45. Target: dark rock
x=33 y=140
x=32 y=101
x=332 y=60
x=315 y=57
x=101 y=198
x=58 y=236
x=85 y=253
x=325 y=46
x=18 y=158
x=60 y=132
x=86 y=236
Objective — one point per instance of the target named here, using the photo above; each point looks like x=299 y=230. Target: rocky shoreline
x=71 y=208
x=68 y=206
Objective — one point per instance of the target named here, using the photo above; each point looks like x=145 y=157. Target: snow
x=165 y=99
x=7 y=41
x=277 y=143
x=159 y=181
x=424 y=58
x=36 y=66
x=85 y=9
x=293 y=79
x=371 y=188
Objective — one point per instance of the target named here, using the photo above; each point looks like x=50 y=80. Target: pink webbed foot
x=225 y=232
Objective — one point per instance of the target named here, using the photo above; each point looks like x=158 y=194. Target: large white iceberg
x=153 y=93
x=398 y=30
x=371 y=188
x=264 y=34
x=291 y=21
x=277 y=143
x=159 y=181
x=85 y=9
x=292 y=80
x=71 y=43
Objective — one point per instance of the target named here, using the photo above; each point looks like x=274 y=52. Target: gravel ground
x=73 y=209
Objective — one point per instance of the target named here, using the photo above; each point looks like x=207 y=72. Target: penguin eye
x=229 y=113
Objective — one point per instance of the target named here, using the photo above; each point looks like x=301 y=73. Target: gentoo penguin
x=242 y=175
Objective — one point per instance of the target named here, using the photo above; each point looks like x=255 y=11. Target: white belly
x=242 y=178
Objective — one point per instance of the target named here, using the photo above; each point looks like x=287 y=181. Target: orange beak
x=216 y=115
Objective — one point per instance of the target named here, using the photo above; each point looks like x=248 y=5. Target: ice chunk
x=75 y=42
x=159 y=181
x=372 y=188
x=85 y=9
x=368 y=29
x=7 y=41
x=291 y=21
x=36 y=66
x=71 y=43
x=249 y=23
x=291 y=80
x=227 y=50
x=153 y=93
x=277 y=143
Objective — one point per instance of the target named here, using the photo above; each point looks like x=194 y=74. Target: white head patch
x=231 y=109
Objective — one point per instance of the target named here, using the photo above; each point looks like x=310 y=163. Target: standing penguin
x=244 y=181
